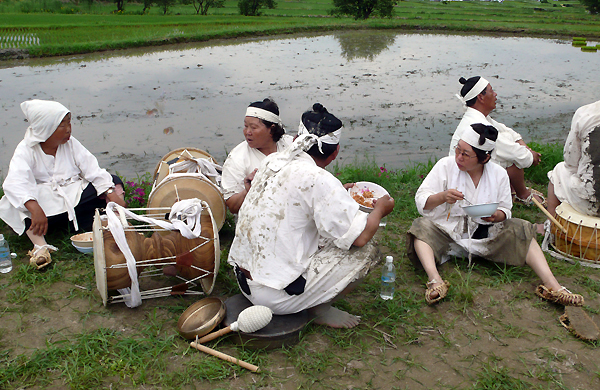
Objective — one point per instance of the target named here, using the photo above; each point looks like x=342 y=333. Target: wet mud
x=394 y=92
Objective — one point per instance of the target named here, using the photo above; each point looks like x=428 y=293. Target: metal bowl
x=201 y=318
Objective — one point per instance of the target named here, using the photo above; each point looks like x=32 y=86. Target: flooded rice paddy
x=393 y=91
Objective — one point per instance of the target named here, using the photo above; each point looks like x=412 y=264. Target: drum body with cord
x=581 y=241
x=184 y=266
x=179 y=186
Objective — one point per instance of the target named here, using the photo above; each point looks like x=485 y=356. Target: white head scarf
x=43 y=116
x=265 y=115
x=332 y=138
x=479 y=87
x=471 y=137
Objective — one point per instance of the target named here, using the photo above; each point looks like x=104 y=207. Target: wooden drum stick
x=225 y=357
x=538 y=204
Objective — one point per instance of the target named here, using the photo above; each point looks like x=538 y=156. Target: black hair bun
x=318 y=107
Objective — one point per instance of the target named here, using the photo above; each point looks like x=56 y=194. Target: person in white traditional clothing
x=511 y=153
x=264 y=135
x=466 y=178
x=576 y=180
x=293 y=202
x=53 y=179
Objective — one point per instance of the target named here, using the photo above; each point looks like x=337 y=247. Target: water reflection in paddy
x=394 y=92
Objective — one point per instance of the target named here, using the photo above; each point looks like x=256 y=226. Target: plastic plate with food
x=365 y=193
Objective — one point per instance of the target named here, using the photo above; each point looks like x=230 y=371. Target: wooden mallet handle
x=225 y=357
x=550 y=217
x=214 y=335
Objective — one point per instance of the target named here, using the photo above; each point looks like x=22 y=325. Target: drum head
x=187 y=186
x=99 y=261
x=162 y=168
x=568 y=213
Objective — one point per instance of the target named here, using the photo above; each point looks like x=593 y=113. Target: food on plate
x=366 y=198
x=366 y=194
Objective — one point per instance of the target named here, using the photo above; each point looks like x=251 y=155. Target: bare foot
x=337 y=318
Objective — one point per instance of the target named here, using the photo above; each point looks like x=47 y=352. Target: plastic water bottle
x=5 y=257
x=388 y=279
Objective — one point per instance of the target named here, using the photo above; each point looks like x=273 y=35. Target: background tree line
x=246 y=7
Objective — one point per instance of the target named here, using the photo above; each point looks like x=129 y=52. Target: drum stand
x=181 y=261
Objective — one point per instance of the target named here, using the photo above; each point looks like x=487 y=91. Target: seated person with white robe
x=264 y=134
x=53 y=181
x=293 y=202
x=511 y=152
x=576 y=180
x=469 y=177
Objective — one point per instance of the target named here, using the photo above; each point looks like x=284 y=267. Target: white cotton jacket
x=240 y=162
x=56 y=183
x=507 y=151
x=577 y=179
x=284 y=215
x=494 y=186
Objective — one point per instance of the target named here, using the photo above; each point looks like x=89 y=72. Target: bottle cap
x=1 y=237
x=389 y=259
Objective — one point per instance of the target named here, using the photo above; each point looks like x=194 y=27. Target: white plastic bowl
x=362 y=186
x=84 y=249
x=83 y=240
x=481 y=210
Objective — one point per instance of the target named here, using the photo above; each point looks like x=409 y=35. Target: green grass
x=140 y=348
x=95 y=28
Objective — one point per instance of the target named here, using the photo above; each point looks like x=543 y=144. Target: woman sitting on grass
x=53 y=179
x=445 y=229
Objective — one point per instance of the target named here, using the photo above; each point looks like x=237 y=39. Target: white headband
x=330 y=138
x=479 y=87
x=471 y=137
x=263 y=114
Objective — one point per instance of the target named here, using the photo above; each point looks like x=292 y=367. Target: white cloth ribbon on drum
x=185 y=217
x=198 y=165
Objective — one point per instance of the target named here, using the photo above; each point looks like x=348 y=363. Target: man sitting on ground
x=294 y=201
x=512 y=153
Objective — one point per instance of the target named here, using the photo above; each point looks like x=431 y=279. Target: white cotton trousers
x=330 y=271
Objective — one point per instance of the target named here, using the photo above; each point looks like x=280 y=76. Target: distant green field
x=93 y=28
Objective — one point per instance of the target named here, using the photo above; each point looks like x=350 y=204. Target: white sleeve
x=436 y=181
x=336 y=214
x=20 y=184
x=234 y=173
x=504 y=193
x=507 y=148
x=89 y=167
x=572 y=150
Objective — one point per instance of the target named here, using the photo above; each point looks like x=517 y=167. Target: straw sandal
x=529 y=200
x=40 y=255
x=562 y=296
x=441 y=290
x=580 y=324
